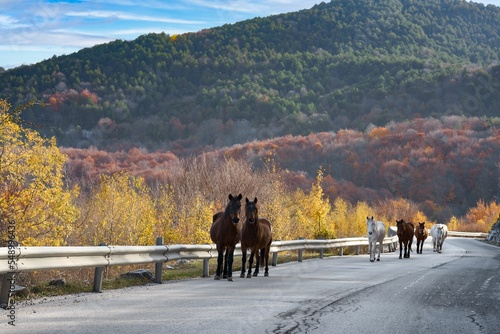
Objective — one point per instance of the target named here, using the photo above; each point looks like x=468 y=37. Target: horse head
x=421 y=229
x=399 y=225
x=234 y=208
x=370 y=222
x=251 y=211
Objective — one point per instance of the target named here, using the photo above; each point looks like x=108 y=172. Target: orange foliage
x=483 y=214
x=88 y=96
x=378 y=133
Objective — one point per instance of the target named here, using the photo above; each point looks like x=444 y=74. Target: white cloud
x=127 y=16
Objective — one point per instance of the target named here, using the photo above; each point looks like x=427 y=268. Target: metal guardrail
x=45 y=258
x=17 y=259
x=479 y=235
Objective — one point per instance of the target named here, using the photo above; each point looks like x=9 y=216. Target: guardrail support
x=357 y=250
x=275 y=259
x=205 y=268
x=300 y=252
x=158 y=265
x=98 y=276
x=321 y=253
x=341 y=251
x=8 y=278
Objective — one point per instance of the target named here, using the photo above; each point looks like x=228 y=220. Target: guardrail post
x=98 y=276
x=275 y=259
x=321 y=253
x=8 y=278
x=205 y=268
x=158 y=265
x=357 y=250
x=300 y=252
x=341 y=251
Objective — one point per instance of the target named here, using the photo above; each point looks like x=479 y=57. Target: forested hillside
x=444 y=165
x=343 y=64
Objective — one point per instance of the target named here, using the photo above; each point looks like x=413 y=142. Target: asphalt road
x=457 y=291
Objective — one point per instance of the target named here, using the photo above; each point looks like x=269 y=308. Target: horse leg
x=220 y=257
x=409 y=246
x=400 y=249
x=257 y=262
x=243 y=261
x=380 y=249
x=224 y=273
x=265 y=254
x=230 y=258
x=406 y=250
x=250 y=263
x=370 y=250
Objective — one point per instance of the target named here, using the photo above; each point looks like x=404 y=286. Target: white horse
x=439 y=232
x=376 y=232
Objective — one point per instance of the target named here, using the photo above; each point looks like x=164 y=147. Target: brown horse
x=225 y=233
x=421 y=235
x=256 y=234
x=405 y=236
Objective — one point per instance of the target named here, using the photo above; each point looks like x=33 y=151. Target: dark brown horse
x=405 y=236
x=421 y=235
x=256 y=235
x=225 y=233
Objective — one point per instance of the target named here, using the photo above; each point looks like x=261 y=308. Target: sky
x=34 y=30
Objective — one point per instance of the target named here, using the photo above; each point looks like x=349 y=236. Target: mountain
x=343 y=64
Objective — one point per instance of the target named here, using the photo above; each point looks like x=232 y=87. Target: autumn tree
x=481 y=217
x=311 y=211
x=119 y=211
x=192 y=221
x=358 y=219
x=340 y=217
x=275 y=202
x=32 y=191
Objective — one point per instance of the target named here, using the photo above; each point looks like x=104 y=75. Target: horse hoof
x=255 y=274
x=216 y=278
x=224 y=276
x=372 y=260
x=378 y=259
x=249 y=276
x=230 y=279
x=266 y=274
x=242 y=276
x=400 y=257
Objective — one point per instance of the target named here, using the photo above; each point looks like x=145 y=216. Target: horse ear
x=240 y=196
x=246 y=199
x=255 y=200
x=230 y=197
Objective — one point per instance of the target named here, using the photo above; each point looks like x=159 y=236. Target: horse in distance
x=376 y=233
x=405 y=236
x=225 y=233
x=439 y=232
x=421 y=235
x=256 y=235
